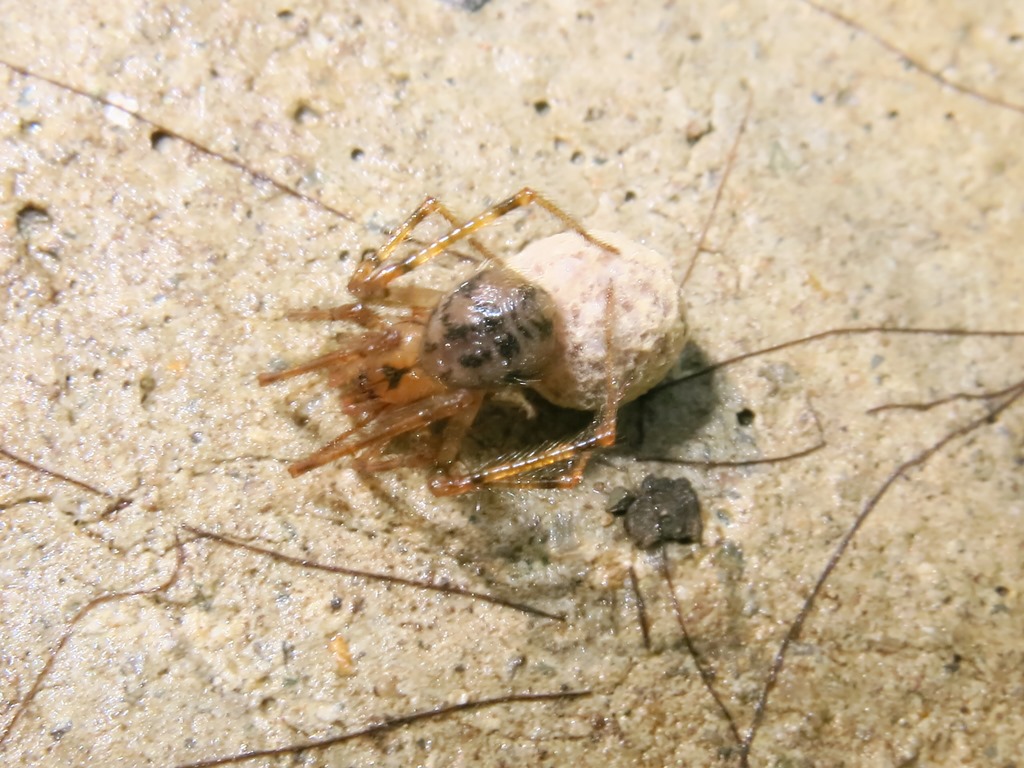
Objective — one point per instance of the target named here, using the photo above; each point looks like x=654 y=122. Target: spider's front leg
x=340 y=362
x=374 y=274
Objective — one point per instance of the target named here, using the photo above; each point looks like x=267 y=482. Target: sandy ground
x=145 y=279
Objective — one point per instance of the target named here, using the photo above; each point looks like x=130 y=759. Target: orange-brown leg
x=388 y=425
x=438 y=450
x=338 y=359
x=456 y=428
x=355 y=312
x=374 y=458
x=358 y=312
x=373 y=275
x=362 y=408
x=572 y=455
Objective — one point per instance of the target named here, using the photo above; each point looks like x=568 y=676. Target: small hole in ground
x=159 y=140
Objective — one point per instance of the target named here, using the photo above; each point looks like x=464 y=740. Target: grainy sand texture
x=174 y=178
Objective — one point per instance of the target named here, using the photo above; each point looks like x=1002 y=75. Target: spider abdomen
x=494 y=329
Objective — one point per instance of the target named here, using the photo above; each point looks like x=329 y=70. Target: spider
x=589 y=321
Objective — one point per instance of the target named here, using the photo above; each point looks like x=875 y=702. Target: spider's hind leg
x=558 y=465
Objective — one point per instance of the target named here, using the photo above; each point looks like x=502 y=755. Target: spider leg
x=375 y=272
x=339 y=361
x=373 y=458
x=456 y=428
x=355 y=312
x=390 y=424
x=521 y=471
x=416 y=302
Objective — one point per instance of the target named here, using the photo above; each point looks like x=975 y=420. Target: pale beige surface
x=137 y=315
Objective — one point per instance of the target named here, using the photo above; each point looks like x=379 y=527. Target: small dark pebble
x=663 y=510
